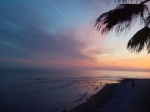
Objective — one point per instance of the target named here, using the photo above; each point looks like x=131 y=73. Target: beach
x=38 y=90
x=121 y=97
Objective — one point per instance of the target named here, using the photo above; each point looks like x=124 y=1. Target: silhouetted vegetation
x=123 y=17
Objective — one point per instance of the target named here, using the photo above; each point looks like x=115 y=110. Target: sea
x=53 y=90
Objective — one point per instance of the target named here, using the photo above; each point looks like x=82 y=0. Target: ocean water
x=53 y=90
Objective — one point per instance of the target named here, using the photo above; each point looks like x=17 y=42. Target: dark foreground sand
x=120 y=98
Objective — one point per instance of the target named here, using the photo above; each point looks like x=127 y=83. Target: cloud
x=27 y=35
x=33 y=39
x=31 y=34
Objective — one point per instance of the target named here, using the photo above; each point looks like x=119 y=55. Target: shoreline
x=97 y=100
x=119 y=97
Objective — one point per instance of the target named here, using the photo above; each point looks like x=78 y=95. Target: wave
x=51 y=81
x=81 y=98
x=63 y=86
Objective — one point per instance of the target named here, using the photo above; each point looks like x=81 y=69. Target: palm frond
x=121 y=18
x=148 y=46
x=147 y=20
x=124 y=1
x=141 y=38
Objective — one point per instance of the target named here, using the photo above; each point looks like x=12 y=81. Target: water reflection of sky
x=54 y=90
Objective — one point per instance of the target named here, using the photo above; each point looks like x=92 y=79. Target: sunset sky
x=61 y=34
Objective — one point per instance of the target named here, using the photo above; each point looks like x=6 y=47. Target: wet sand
x=96 y=101
x=121 y=97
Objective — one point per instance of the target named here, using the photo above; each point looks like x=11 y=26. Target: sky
x=61 y=34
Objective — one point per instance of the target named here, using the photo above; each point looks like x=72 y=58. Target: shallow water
x=43 y=90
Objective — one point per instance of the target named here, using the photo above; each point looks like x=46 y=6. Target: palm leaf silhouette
x=141 y=38
x=125 y=1
x=148 y=46
x=121 y=18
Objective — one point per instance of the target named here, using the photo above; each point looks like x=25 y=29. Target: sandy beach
x=121 y=97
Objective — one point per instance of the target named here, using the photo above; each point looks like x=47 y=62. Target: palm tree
x=123 y=17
